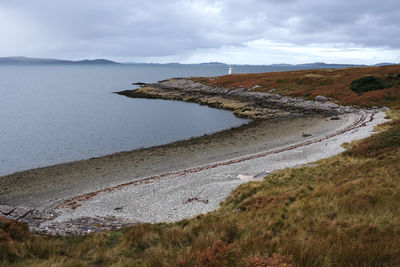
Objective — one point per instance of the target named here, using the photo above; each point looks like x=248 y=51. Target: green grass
x=366 y=84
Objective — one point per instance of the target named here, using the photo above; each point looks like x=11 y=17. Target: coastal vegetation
x=332 y=83
x=341 y=211
x=366 y=84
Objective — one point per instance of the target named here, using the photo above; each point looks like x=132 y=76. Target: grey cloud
x=122 y=28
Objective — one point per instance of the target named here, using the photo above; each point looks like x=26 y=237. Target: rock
x=196 y=199
x=245 y=176
x=321 y=98
x=42 y=215
x=42 y=221
x=330 y=105
x=19 y=212
x=139 y=83
x=5 y=209
x=87 y=225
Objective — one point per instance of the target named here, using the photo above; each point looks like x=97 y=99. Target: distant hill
x=213 y=63
x=324 y=65
x=385 y=64
x=315 y=65
x=95 y=61
x=28 y=60
x=281 y=64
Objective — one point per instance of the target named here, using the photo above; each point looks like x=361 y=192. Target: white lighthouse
x=230 y=70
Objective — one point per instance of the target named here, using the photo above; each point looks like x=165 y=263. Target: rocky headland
x=243 y=102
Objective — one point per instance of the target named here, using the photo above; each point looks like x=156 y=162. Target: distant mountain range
x=354 y=65
x=385 y=64
x=28 y=60
x=213 y=63
x=315 y=64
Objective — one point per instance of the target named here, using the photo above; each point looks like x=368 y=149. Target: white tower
x=230 y=70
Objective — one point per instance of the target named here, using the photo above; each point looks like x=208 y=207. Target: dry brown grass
x=333 y=83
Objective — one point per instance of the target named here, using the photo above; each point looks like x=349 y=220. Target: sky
x=194 y=31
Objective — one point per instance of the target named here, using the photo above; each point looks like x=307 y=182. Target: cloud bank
x=253 y=31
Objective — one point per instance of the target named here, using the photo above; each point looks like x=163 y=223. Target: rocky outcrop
x=242 y=101
x=42 y=221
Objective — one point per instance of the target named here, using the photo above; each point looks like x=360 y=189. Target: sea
x=51 y=114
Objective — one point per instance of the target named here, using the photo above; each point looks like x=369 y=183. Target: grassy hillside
x=334 y=83
x=342 y=211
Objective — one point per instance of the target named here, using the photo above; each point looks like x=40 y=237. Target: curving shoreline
x=197 y=174
x=48 y=186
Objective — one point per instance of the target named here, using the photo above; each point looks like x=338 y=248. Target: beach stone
x=330 y=105
x=5 y=209
x=321 y=98
x=246 y=176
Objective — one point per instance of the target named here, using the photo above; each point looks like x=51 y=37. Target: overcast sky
x=231 y=31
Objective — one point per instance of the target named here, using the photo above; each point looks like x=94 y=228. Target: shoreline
x=118 y=153
x=42 y=180
x=74 y=202
x=98 y=188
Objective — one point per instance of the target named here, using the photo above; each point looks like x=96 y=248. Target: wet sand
x=49 y=187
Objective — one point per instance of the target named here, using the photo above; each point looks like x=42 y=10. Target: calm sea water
x=59 y=113
x=51 y=114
